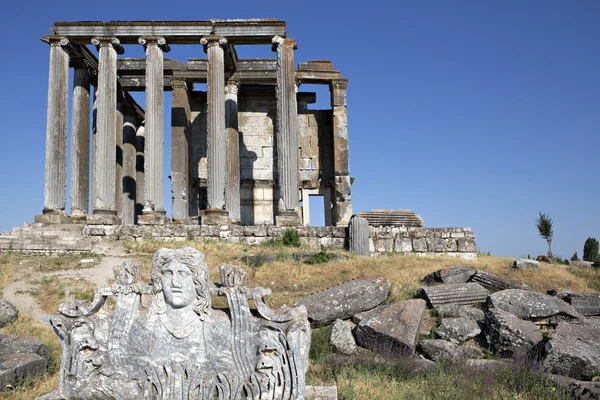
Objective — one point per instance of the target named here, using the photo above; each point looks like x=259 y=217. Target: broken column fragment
x=358 y=236
x=465 y=293
x=587 y=304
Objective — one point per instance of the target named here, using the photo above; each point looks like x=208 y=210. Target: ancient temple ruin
x=246 y=151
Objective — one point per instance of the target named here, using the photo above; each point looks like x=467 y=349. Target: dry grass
x=7 y=268
x=31 y=389
x=290 y=280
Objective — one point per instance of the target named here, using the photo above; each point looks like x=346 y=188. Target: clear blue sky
x=469 y=112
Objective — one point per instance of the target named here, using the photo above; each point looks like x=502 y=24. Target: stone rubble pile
x=478 y=319
x=21 y=357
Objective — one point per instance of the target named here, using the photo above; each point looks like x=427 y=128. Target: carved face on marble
x=181 y=276
x=177 y=283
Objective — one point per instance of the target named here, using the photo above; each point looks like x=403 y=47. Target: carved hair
x=194 y=260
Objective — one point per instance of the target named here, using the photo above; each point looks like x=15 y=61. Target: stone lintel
x=255 y=31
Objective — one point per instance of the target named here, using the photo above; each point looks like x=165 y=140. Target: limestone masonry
x=245 y=151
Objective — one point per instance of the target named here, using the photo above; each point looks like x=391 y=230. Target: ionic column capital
x=339 y=83
x=233 y=85
x=56 y=41
x=210 y=41
x=280 y=41
x=106 y=41
x=154 y=41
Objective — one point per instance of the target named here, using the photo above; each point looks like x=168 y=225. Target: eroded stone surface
x=346 y=299
x=341 y=339
x=533 y=306
x=180 y=346
x=510 y=336
x=455 y=311
x=493 y=282
x=444 y=350
x=458 y=330
x=10 y=344
x=393 y=332
x=16 y=368
x=8 y=313
x=574 y=351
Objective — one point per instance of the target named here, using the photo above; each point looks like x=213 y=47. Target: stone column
x=154 y=199
x=342 y=205
x=104 y=158
x=180 y=132
x=129 y=161
x=119 y=154
x=55 y=186
x=80 y=144
x=139 y=170
x=217 y=139
x=232 y=181
x=287 y=133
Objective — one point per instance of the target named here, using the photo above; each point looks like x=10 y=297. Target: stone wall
x=457 y=242
x=258 y=157
x=73 y=238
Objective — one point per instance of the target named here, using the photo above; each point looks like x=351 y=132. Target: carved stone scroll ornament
x=179 y=347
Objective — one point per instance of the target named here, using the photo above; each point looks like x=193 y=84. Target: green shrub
x=291 y=238
x=590 y=249
x=575 y=257
x=320 y=258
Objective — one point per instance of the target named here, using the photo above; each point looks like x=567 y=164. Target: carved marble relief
x=179 y=346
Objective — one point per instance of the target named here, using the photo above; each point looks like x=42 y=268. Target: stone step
x=462 y=294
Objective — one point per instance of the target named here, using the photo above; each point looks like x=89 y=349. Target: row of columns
x=111 y=116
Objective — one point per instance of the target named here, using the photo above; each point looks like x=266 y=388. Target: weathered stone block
x=341 y=339
x=8 y=313
x=455 y=311
x=10 y=344
x=510 y=336
x=444 y=351
x=419 y=245
x=574 y=351
x=524 y=263
x=435 y=245
x=466 y=245
x=346 y=299
x=17 y=368
x=394 y=331
x=403 y=245
x=533 y=306
x=458 y=330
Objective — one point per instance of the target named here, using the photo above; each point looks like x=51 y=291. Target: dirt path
x=18 y=291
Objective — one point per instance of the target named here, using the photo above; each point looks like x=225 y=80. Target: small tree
x=575 y=257
x=544 y=227
x=590 y=250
